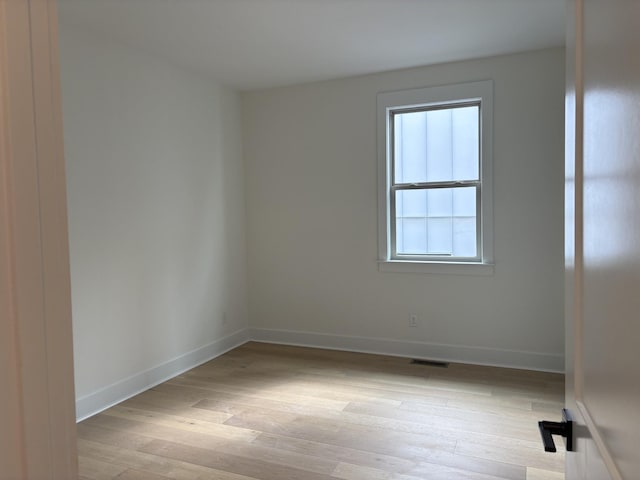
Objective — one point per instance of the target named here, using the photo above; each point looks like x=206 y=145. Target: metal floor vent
x=429 y=363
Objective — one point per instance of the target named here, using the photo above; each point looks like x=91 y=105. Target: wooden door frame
x=37 y=403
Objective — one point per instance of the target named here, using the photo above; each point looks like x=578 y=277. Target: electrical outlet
x=224 y=318
x=413 y=320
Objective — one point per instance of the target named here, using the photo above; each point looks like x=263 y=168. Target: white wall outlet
x=224 y=318
x=413 y=320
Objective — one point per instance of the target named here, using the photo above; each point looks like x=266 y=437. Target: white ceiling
x=252 y=44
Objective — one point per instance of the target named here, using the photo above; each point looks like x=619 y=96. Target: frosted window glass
x=464 y=202
x=411 y=203
x=411 y=147
x=399 y=235
x=440 y=202
x=439 y=236
x=464 y=236
x=465 y=131
x=414 y=236
x=437 y=145
x=439 y=221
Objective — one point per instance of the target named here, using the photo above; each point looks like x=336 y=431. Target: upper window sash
x=449 y=106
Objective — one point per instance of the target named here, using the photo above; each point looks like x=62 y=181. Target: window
x=435 y=192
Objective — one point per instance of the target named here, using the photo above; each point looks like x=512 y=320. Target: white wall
x=156 y=214
x=157 y=220
x=310 y=159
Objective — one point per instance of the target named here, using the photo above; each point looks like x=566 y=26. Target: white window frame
x=439 y=96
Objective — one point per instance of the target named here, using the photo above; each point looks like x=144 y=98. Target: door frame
x=37 y=405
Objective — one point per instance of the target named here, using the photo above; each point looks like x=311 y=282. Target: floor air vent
x=429 y=363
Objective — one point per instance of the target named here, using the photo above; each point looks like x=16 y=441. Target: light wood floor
x=286 y=413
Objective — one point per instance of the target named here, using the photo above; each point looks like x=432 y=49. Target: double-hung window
x=435 y=178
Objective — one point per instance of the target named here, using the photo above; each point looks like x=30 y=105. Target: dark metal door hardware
x=564 y=428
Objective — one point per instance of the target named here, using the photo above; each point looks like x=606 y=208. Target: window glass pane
x=410 y=147
x=440 y=202
x=464 y=202
x=437 y=145
x=412 y=203
x=464 y=237
x=440 y=235
x=414 y=239
x=466 y=142
x=400 y=235
x=436 y=221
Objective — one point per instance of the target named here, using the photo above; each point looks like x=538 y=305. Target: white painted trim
x=419 y=97
x=440 y=268
x=546 y=362
x=126 y=388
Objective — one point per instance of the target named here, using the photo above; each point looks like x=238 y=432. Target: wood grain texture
x=267 y=412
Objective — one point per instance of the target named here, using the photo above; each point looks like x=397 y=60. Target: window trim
x=388 y=102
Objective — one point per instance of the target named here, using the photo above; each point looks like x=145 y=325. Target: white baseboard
x=117 y=392
x=545 y=362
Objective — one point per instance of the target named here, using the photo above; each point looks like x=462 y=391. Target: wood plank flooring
x=270 y=412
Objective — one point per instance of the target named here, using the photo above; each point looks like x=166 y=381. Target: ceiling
x=254 y=44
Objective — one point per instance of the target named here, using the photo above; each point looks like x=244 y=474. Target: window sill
x=449 y=268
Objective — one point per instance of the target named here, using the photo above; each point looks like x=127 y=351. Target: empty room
x=320 y=240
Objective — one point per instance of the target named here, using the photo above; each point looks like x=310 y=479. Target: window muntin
x=435 y=193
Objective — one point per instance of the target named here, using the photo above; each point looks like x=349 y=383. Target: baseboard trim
x=544 y=362
x=115 y=393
